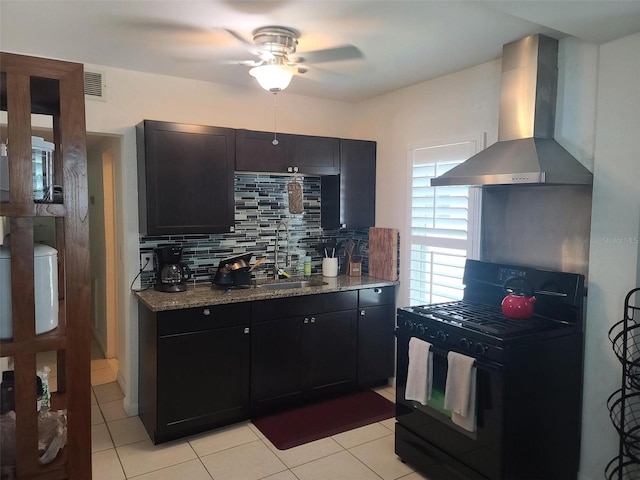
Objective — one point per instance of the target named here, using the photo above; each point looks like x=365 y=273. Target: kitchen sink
x=288 y=285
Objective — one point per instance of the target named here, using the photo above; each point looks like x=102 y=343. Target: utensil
x=260 y=261
x=350 y=247
x=283 y=273
x=519 y=301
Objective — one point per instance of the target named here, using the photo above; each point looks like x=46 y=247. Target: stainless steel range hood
x=525 y=151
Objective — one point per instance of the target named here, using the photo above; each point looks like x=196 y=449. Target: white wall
x=615 y=227
x=135 y=96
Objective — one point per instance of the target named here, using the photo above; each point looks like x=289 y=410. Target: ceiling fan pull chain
x=275 y=122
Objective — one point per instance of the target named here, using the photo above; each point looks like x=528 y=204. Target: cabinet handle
x=362 y=313
x=377 y=290
x=206 y=311
x=246 y=329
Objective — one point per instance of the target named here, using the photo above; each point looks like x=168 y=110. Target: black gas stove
x=524 y=366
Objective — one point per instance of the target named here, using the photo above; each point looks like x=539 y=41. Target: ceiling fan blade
x=155 y=25
x=241 y=39
x=337 y=54
x=176 y=34
x=246 y=63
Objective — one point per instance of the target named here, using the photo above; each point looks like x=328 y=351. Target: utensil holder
x=330 y=267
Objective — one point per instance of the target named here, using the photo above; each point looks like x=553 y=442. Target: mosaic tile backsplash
x=261 y=201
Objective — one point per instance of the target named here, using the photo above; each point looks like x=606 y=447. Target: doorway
x=102 y=156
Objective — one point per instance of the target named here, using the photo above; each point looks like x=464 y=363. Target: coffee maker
x=171 y=274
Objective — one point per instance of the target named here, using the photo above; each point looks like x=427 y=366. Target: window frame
x=472 y=243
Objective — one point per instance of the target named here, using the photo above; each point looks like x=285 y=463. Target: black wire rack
x=624 y=403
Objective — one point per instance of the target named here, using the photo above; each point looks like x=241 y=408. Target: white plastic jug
x=45 y=266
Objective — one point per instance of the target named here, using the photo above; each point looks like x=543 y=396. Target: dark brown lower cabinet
x=376 y=345
x=277 y=370
x=201 y=368
x=194 y=369
x=303 y=355
x=331 y=352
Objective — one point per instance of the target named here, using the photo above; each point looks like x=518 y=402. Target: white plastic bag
x=52 y=434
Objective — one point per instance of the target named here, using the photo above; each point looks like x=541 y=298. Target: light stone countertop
x=203 y=294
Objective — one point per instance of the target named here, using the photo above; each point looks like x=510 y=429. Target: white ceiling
x=402 y=42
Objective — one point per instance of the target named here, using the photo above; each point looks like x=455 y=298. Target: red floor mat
x=319 y=420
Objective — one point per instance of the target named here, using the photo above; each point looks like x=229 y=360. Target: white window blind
x=442 y=229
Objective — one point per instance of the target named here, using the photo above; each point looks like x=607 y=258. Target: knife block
x=354 y=266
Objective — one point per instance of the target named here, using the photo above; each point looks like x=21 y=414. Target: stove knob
x=465 y=344
x=481 y=349
x=441 y=336
x=421 y=329
x=409 y=324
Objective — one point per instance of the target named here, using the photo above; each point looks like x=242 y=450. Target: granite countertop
x=203 y=294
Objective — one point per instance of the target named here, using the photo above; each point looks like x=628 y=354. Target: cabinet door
x=314 y=155
x=277 y=370
x=349 y=200
x=358 y=176
x=255 y=151
x=203 y=380
x=331 y=351
x=185 y=175
x=375 y=344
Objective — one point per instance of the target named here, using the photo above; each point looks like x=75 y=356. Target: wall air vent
x=94 y=85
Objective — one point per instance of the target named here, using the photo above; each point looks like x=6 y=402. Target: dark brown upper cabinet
x=349 y=200
x=255 y=152
x=314 y=155
x=185 y=178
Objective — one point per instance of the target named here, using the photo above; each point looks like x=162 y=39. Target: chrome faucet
x=276 y=266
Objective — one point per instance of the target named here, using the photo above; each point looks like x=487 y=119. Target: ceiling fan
x=274 y=46
x=278 y=63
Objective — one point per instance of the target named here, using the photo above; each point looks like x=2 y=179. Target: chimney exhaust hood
x=525 y=152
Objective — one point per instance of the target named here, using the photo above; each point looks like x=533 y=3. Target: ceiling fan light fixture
x=273 y=77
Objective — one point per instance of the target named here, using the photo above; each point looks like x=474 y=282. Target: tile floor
x=121 y=448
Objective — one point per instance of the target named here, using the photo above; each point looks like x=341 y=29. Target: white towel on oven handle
x=420 y=371
x=460 y=390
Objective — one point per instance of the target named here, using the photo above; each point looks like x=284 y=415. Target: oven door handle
x=479 y=364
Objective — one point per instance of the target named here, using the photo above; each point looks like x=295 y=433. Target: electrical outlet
x=146 y=262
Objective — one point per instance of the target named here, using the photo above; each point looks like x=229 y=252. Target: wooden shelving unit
x=30 y=85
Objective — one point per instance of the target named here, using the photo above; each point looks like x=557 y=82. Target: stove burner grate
x=480 y=317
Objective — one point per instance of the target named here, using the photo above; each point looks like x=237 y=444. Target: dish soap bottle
x=307 y=266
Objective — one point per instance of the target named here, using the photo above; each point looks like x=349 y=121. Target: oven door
x=481 y=450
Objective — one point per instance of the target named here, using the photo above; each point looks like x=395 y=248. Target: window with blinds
x=442 y=230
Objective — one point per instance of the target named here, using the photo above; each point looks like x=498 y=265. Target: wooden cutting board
x=383 y=253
